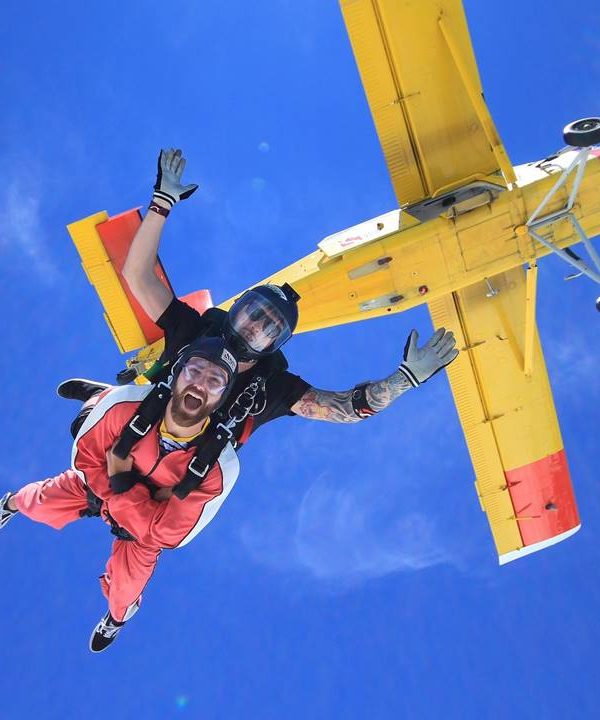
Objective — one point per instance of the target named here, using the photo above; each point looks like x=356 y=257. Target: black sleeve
x=181 y=324
x=294 y=388
x=284 y=389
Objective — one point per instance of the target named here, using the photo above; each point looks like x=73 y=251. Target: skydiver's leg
x=82 y=415
x=128 y=571
x=87 y=392
x=56 y=501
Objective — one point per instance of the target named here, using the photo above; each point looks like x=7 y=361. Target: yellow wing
x=505 y=406
x=419 y=73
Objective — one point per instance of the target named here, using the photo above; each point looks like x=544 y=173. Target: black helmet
x=214 y=349
x=276 y=305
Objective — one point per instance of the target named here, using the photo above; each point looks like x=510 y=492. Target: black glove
x=124 y=481
x=168 y=187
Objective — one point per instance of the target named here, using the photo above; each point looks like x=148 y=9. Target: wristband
x=360 y=404
x=158 y=209
x=409 y=375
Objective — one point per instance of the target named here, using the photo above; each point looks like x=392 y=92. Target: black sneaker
x=5 y=514
x=108 y=628
x=104 y=633
x=80 y=389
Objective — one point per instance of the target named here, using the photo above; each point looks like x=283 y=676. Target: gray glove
x=421 y=363
x=168 y=187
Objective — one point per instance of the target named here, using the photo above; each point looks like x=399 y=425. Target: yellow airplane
x=465 y=240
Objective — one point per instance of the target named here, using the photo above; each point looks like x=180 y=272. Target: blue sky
x=351 y=573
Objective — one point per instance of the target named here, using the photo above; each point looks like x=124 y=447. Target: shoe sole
x=61 y=386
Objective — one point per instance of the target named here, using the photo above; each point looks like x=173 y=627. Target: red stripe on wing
x=543 y=498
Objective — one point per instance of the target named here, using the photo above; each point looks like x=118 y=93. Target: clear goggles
x=203 y=372
x=259 y=323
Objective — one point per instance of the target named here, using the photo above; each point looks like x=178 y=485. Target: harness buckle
x=139 y=431
x=226 y=428
x=195 y=471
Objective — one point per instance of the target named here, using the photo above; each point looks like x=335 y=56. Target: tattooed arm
x=337 y=406
x=419 y=365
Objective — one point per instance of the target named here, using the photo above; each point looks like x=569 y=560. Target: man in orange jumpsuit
x=135 y=495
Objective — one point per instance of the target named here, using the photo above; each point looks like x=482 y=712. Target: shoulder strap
x=149 y=412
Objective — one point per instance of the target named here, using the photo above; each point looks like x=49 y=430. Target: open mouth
x=193 y=402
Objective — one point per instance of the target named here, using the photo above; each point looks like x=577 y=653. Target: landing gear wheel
x=582 y=133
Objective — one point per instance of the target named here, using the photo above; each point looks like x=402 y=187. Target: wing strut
x=530 y=325
x=536 y=223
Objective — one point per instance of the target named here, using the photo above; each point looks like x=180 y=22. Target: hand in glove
x=168 y=187
x=121 y=475
x=421 y=363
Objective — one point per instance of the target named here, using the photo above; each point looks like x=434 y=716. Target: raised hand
x=168 y=187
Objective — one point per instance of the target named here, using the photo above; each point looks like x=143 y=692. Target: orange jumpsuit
x=155 y=525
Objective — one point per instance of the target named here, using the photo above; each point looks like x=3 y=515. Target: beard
x=190 y=406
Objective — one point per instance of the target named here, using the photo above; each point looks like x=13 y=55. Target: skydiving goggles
x=259 y=323
x=203 y=372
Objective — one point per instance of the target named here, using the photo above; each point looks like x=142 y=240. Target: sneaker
x=104 y=633
x=5 y=514
x=80 y=389
x=108 y=628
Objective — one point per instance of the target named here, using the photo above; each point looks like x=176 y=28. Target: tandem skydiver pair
x=157 y=469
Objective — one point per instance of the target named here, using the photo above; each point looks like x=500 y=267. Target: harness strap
x=93 y=505
x=94 y=510
x=207 y=454
x=149 y=412
x=210 y=448
x=119 y=531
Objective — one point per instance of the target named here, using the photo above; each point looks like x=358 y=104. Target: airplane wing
x=419 y=72
x=505 y=406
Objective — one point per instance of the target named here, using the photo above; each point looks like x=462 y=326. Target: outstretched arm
x=337 y=407
x=353 y=405
x=138 y=270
